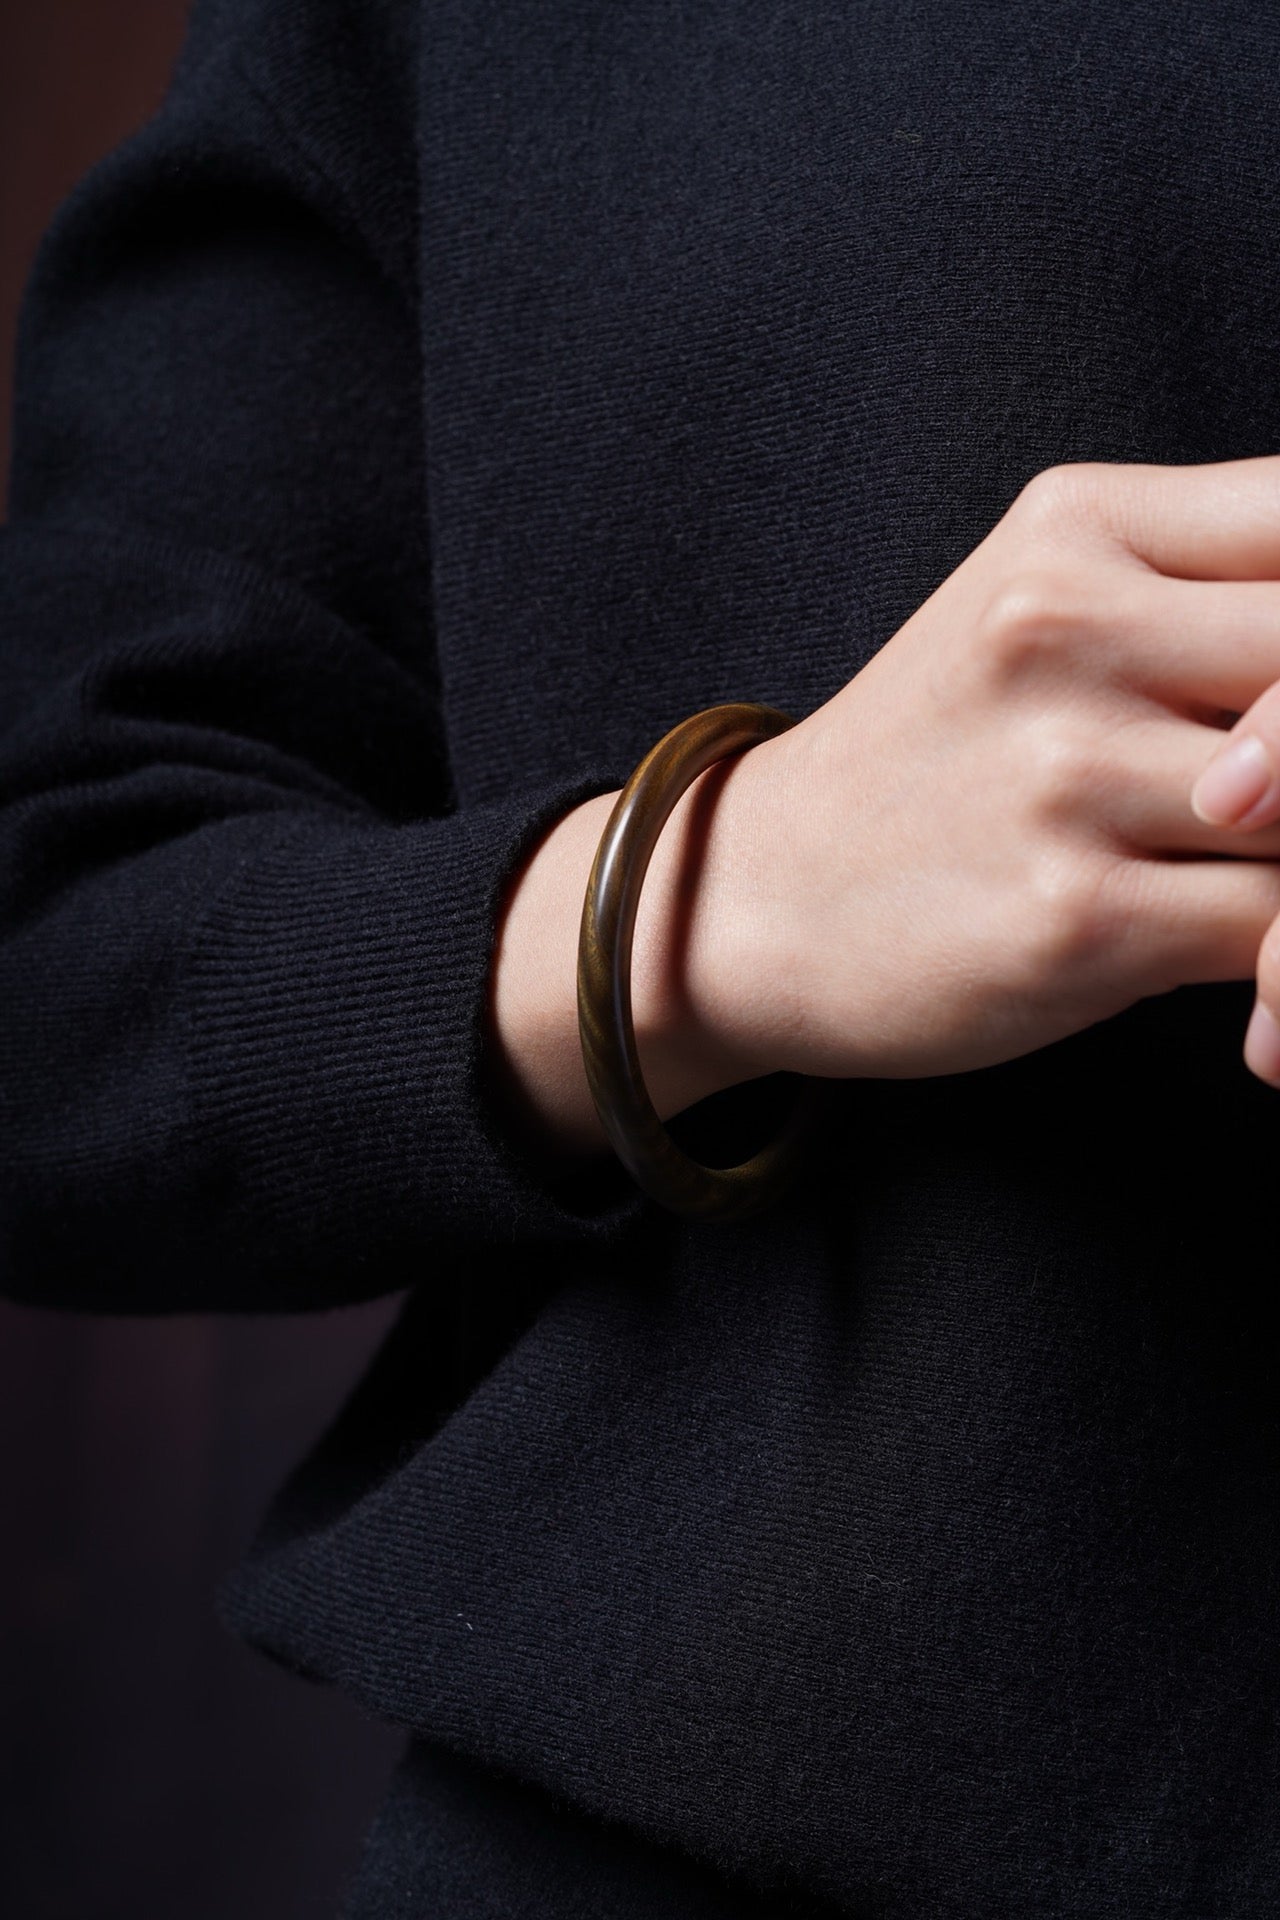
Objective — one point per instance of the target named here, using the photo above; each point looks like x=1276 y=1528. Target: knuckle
x=1062 y=774
x=1068 y=493
x=1074 y=911
x=1028 y=619
x=1041 y=494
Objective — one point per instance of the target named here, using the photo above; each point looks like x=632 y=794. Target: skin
x=983 y=842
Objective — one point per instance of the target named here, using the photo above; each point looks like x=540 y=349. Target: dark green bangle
x=609 y=1052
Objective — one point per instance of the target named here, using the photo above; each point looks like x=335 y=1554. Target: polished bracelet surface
x=627 y=1114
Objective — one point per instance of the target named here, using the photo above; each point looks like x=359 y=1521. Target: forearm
x=245 y=933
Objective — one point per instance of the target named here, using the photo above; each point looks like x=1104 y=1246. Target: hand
x=984 y=841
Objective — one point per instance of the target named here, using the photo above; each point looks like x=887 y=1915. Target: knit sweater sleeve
x=245 y=926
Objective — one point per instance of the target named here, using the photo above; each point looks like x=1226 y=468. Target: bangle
x=627 y=1114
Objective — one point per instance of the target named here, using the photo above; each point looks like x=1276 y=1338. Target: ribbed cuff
x=336 y=996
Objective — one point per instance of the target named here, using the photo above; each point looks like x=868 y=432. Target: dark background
x=151 y=1766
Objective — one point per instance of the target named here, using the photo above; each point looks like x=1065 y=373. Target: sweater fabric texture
x=425 y=410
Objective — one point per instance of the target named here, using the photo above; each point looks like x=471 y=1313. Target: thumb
x=1240 y=786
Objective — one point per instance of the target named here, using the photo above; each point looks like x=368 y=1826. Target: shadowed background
x=150 y=1765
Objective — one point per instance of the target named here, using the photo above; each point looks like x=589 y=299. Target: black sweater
x=427 y=409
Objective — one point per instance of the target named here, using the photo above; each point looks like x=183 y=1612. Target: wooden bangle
x=609 y=1052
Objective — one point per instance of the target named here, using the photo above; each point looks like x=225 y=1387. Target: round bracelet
x=609 y=1052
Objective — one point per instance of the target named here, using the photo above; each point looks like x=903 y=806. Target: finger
x=1262 y=1043
x=1196 y=921
x=1262 y=1035
x=1202 y=646
x=1139 y=790
x=1216 y=520
x=1240 y=785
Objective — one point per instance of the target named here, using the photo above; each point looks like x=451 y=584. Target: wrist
x=700 y=960
x=705 y=959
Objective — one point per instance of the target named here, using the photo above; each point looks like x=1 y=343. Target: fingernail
x=1233 y=783
x=1262 y=1044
